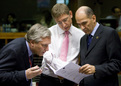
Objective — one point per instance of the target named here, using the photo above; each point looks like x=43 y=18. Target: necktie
x=31 y=60
x=89 y=40
x=64 y=47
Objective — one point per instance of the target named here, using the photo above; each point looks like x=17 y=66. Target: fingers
x=84 y=68
x=32 y=72
x=34 y=68
x=60 y=77
x=37 y=72
x=87 y=69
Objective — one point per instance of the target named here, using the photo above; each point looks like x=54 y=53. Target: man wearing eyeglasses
x=60 y=54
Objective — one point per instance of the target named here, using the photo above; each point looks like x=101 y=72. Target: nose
x=47 y=48
x=63 y=24
x=82 y=27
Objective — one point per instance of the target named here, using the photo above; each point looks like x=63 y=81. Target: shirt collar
x=28 y=48
x=60 y=31
x=95 y=29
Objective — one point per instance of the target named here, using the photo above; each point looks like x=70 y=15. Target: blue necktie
x=89 y=40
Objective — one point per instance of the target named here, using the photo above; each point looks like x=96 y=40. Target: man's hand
x=61 y=78
x=32 y=72
x=87 y=69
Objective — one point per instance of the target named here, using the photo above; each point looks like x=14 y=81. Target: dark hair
x=89 y=12
x=11 y=14
x=113 y=8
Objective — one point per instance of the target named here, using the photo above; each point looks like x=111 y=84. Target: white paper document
x=70 y=72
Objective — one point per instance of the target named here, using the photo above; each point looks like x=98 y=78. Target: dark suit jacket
x=104 y=53
x=14 y=61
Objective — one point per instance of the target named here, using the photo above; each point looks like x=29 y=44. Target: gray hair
x=37 y=32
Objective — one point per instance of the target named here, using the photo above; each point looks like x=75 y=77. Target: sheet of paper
x=70 y=72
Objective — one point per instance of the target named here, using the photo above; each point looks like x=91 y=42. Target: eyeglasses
x=44 y=45
x=64 y=21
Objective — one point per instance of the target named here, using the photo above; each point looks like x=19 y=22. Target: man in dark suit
x=100 y=55
x=15 y=57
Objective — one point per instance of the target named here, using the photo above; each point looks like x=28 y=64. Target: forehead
x=63 y=16
x=117 y=10
x=45 y=40
x=81 y=17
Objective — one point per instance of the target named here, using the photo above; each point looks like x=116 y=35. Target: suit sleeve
x=113 y=49
x=8 y=71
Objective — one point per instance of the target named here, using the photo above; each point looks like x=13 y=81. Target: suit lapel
x=95 y=39
x=26 y=59
x=26 y=56
x=84 y=45
x=85 y=42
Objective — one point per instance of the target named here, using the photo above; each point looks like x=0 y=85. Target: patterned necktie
x=64 y=47
x=89 y=40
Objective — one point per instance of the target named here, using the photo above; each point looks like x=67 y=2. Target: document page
x=70 y=72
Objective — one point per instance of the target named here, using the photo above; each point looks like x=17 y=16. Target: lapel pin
x=97 y=37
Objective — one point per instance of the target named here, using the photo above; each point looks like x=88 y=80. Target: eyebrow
x=63 y=19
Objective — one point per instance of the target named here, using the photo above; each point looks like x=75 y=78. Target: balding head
x=86 y=19
x=81 y=9
x=84 y=10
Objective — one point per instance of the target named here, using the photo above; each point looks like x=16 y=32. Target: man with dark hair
x=116 y=14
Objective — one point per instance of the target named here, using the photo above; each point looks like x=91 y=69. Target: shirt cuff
x=25 y=76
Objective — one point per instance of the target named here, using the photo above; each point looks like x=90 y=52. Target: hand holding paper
x=70 y=72
x=87 y=69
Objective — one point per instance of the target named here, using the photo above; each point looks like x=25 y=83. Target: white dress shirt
x=51 y=57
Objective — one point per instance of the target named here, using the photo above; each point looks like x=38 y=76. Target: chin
x=41 y=54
